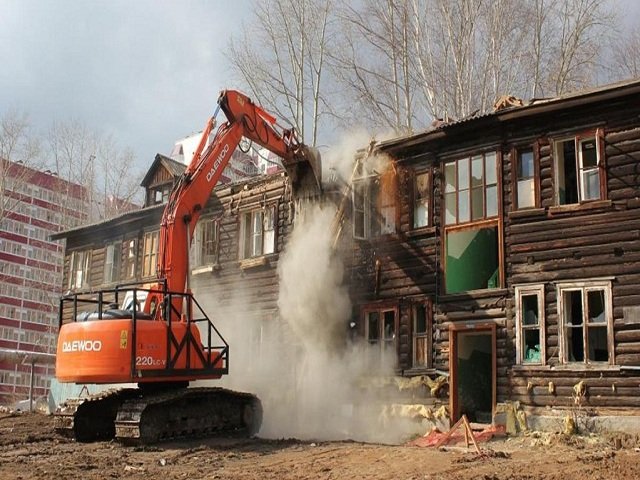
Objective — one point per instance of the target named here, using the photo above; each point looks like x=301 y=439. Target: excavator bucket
x=305 y=171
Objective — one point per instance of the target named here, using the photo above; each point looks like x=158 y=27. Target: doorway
x=472 y=370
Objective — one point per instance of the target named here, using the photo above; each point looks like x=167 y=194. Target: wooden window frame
x=584 y=287
x=249 y=251
x=371 y=200
x=112 y=269
x=200 y=259
x=427 y=334
x=515 y=162
x=457 y=189
x=526 y=290
x=84 y=269
x=381 y=309
x=578 y=139
x=415 y=198
x=150 y=245
x=130 y=260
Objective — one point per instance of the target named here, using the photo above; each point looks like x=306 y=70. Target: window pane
x=476 y=171
x=525 y=164
x=463 y=173
x=463 y=206
x=374 y=325
x=450 y=208
x=530 y=309
x=450 y=177
x=598 y=345
x=566 y=171
x=589 y=153
x=526 y=193
x=595 y=304
x=389 y=325
x=532 y=351
x=421 y=319
x=490 y=168
x=573 y=307
x=492 y=201
x=477 y=203
x=421 y=215
x=471 y=260
x=422 y=185
x=591 y=184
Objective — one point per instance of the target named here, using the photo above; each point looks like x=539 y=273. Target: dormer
x=160 y=178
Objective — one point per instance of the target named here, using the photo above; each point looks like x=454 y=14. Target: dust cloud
x=303 y=358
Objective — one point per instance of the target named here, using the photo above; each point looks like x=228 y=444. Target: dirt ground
x=31 y=449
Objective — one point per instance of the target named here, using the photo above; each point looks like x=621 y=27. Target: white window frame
x=584 y=287
x=258 y=232
x=580 y=170
x=382 y=342
x=522 y=291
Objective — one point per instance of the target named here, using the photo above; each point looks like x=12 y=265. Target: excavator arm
x=190 y=195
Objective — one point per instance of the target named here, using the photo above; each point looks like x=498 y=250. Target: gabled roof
x=174 y=167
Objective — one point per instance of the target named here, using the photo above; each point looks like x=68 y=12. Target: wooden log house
x=501 y=250
x=508 y=255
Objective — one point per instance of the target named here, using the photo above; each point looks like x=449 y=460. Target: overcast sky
x=146 y=72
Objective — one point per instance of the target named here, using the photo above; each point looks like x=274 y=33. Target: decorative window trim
x=520 y=291
x=585 y=286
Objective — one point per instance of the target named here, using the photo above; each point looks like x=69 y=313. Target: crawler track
x=135 y=416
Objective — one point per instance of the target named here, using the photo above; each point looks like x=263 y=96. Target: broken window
x=421 y=200
x=421 y=313
x=586 y=318
x=530 y=325
x=525 y=179
x=159 y=194
x=112 y=261
x=206 y=242
x=471 y=189
x=472 y=259
x=374 y=203
x=257 y=232
x=131 y=252
x=578 y=167
x=79 y=265
x=150 y=253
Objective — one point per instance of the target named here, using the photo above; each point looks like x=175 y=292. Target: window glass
x=421 y=201
x=471 y=259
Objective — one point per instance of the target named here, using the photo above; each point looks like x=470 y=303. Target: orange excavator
x=169 y=341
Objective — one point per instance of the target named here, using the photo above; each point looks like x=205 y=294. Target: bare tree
x=97 y=163
x=19 y=148
x=625 y=57
x=281 y=57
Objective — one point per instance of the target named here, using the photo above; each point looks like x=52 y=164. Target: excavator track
x=135 y=416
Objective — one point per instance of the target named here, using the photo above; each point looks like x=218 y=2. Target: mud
x=31 y=449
